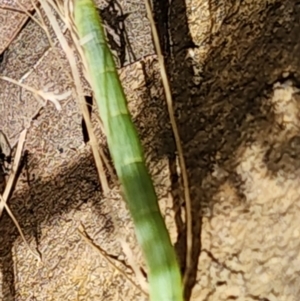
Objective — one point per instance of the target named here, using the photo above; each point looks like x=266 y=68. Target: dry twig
x=51 y=96
x=9 y=186
x=84 y=236
x=71 y=58
x=168 y=95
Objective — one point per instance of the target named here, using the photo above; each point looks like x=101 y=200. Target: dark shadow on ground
x=42 y=200
x=247 y=55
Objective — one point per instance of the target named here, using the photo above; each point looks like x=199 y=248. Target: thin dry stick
x=57 y=7
x=8 y=188
x=52 y=44
x=54 y=98
x=132 y=262
x=13 y=173
x=108 y=260
x=41 y=24
x=73 y=31
x=65 y=14
x=35 y=254
x=177 y=141
x=70 y=55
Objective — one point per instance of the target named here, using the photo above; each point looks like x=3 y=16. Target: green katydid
x=163 y=270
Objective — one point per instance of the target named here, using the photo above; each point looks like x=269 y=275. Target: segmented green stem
x=126 y=150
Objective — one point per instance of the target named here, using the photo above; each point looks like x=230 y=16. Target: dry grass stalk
x=51 y=96
x=132 y=262
x=169 y=101
x=40 y=23
x=65 y=12
x=8 y=189
x=85 y=237
x=80 y=95
x=12 y=176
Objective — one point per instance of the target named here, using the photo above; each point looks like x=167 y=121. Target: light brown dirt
x=233 y=68
x=10 y=24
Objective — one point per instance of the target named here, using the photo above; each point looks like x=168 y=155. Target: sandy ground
x=233 y=68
